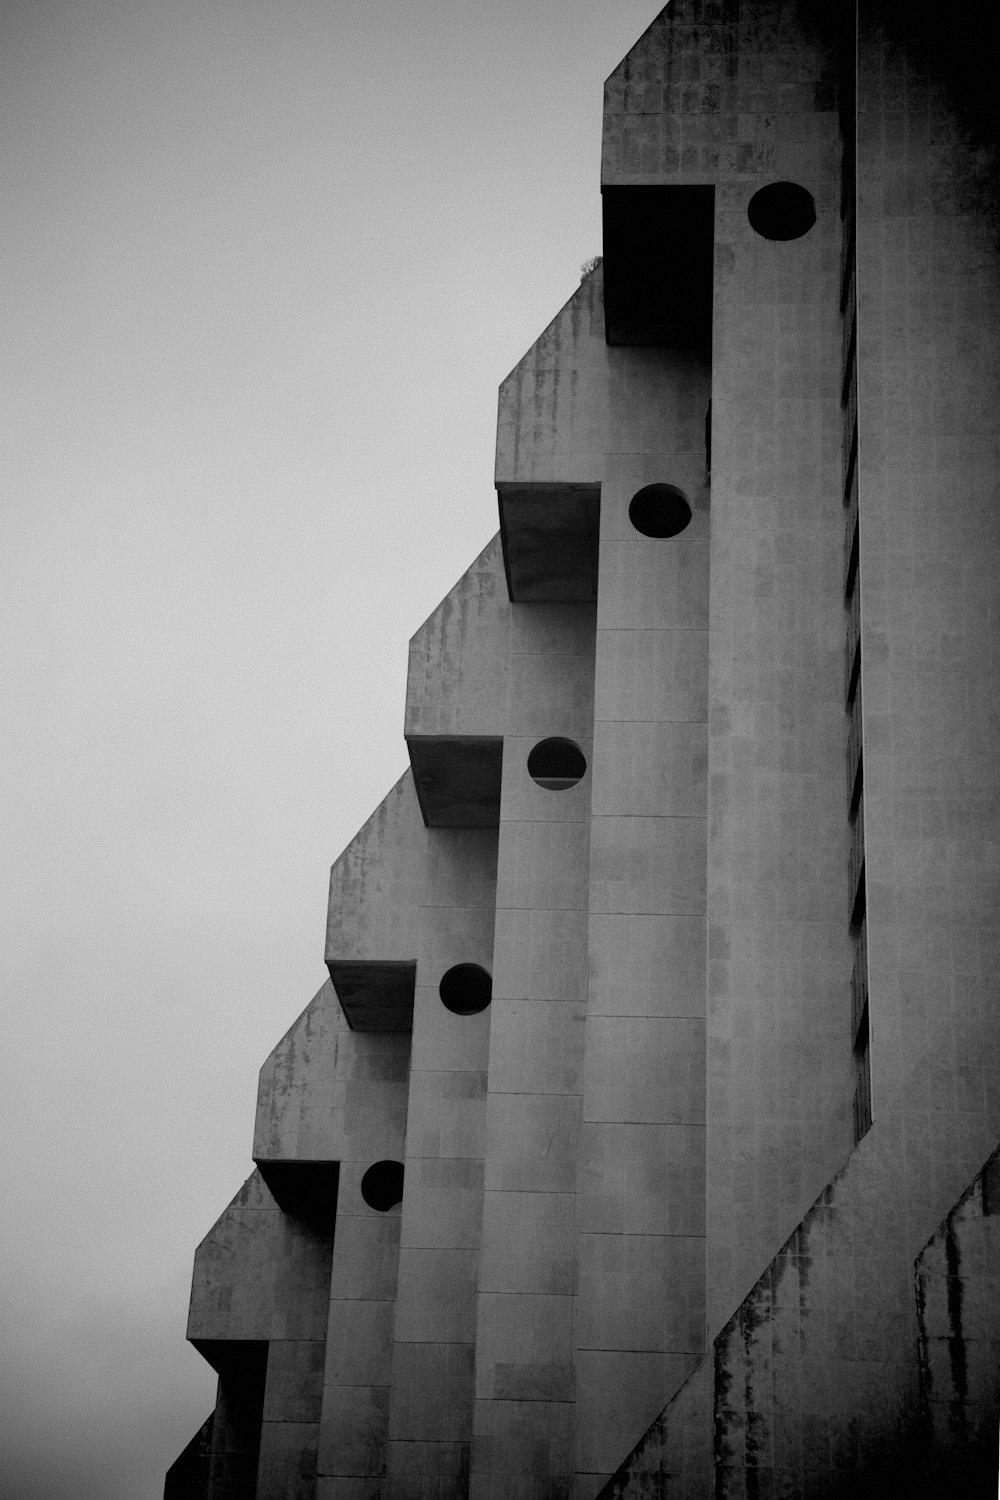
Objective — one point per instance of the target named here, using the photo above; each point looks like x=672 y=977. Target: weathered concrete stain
x=957 y=1271
x=956 y=1337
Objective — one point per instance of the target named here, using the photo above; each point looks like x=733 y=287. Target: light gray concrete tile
x=645 y=768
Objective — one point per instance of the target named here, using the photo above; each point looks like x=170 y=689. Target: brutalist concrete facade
x=644 y=1140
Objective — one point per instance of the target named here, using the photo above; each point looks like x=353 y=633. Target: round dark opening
x=466 y=989
x=659 y=510
x=782 y=211
x=382 y=1185
x=556 y=764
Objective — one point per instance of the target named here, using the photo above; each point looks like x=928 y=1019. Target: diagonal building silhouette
x=644 y=1139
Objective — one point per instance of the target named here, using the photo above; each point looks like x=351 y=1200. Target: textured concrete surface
x=703 y=1202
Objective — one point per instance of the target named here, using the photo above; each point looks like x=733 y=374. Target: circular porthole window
x=466 y=989
x=556 y=764
x=782 y=211
x=382 y=1185
x=659 y=510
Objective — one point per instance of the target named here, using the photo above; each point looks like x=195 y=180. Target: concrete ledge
x=374 y=995
x=457 y=779
x=549 y=536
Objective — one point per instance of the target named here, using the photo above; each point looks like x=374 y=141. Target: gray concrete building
x=644 y=1140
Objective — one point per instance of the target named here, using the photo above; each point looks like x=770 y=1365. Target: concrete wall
x=929 y=390
x=642 y=1217
x=525 y=1316
x=639 y=1065
x=400 y=1372
x=958 y=1330
x=815 y=1385
x=743 y=97
x=260 y=1289
x=640 y=1250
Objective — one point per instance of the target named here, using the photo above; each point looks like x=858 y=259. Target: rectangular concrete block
x=642 y=1292
x=538 y=1046
x=366 y=1258
x=550 y=694
x=447 y=1114
x=520 y=1442
x=647 y=965
x=539 y=955
x=432 y=1395
x=436 y=1301
x=642 y=588
x=659 y=675
x=359 y=1343
x=645 y=1069
x=543 y=864
x=287 y=1464
x=529 y=1338
x=443 y=1203
x=419 y=1468
x=294 y=1386
x=528 y=1242
x=353 y=1433
x=533 y=1140
x=643 y=1179
x=648 y=769
x=648 y=864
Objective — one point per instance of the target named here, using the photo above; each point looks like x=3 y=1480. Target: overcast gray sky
x=265 y=265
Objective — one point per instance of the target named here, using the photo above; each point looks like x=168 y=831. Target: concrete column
x=642 y=1223
x=780 y=1076
x=355 y=1413
x=433 y=1363
x=523 y=1442
x=293 y=1388
x=236 y=1429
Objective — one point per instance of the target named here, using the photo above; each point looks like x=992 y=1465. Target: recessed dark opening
x=382 y=1185
x=860 y=902
x=861 y=1040
x=659 y=510
x=991 y=1185
x=782 y=211
x=556 y=764
x=466 y=989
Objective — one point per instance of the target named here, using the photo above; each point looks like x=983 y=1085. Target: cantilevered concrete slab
x=305 y=1190
x=550 y=455
x=375 y=996
x=457 y=779
x=550 y=541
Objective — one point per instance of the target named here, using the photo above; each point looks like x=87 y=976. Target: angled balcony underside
x=457 y=779
x=305 y=1190
x=373 y=926
x=456 y=694
x=550 y=454
x=658 y=264
x=380 y=887
x=550 y=536
x=374 y=996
